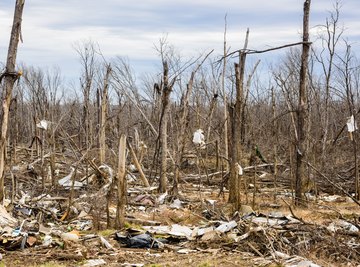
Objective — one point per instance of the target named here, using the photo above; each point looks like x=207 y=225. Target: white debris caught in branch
x=66 y=181
x=199 y=138
x=43 y=124
x=351 y=124
x=239 y=169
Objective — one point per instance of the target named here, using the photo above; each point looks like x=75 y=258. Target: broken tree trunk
x=236 y=124
x=10 y=76
x=225 y=102
x=302 y=110
x=167 y=88
x=275 y=139
x=138 y=166
x=104 y=104
x=234 y=183
x=120 y=209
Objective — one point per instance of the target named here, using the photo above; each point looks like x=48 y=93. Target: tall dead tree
x=87 y=53
x=235 y=128
x=225 y=100
x=103 y=115
x=236 y=119
x=275 y=138
x=10 y=76
x=166 y=90
x=301 y=111
x=182 y=131
x=347 y=73
x=330 y=36
x=121 y=185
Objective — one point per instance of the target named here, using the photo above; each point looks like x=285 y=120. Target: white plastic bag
x=351 y=124
x=239 y=169
x=199 y=138
x=43 y=124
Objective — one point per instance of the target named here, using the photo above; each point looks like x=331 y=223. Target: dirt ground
x=137 y=257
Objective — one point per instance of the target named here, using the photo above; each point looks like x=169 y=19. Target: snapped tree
x=10 y=76
x=301 y=111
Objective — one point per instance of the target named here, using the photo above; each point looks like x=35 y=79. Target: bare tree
x=39 y=101
x=329 y=37
x=103 y=116
x=236 y=124
x=121 y=186
x=225 y=99
x=166 y=90
x=184 y=112
x=124 y=83
x=87 y=53
x=53 y=81
x=301 y=111
x=347 y=73
x=10 y=76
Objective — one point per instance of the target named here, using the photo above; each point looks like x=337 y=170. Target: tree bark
x=236 y=128
x=183 y=125
x=104 y=104
x=302 y=110
x=234 y=183
x=275 y=139
x=10 y=77
x=226 y=115
x=138 y=166
x=167 y=88
x=121 y=187
x=87 y=54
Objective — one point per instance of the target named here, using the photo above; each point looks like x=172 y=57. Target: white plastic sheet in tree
x=239 y=169
x=43 y=124
x=351 y=124
x=199 y=138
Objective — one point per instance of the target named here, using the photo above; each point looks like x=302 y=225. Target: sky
x=131 y=29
